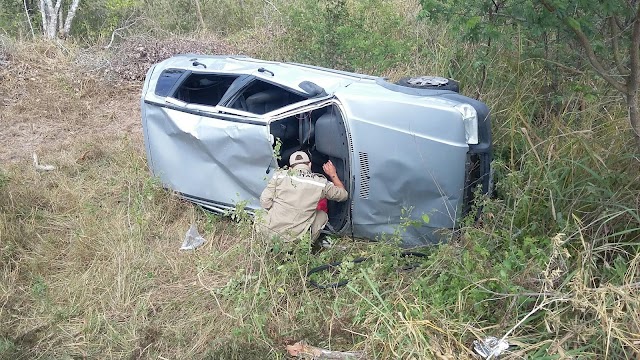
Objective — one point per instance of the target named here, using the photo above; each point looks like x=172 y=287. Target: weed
x=8 y=348
x=4 y=179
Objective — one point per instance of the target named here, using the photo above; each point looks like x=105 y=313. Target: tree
x=621 y=24
x=53 y=21
x=607 y=33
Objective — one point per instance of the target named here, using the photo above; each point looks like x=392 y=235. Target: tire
x=430 y=82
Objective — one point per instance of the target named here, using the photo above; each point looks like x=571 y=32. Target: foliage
x=220 y=17
x=97 y=19
x=347 y=34
x=606 y=33
x=13 y=21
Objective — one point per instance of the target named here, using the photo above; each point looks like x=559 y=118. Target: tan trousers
x=320 y=220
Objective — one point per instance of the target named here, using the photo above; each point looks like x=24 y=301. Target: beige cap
x=298 y=158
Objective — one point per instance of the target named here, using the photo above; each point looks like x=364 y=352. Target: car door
x=209 y=156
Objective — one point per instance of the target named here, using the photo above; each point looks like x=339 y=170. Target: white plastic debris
x=192 y=239
x=491 y=347
x=41 y=167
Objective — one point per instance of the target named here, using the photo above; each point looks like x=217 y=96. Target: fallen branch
x=303 y=350
x=115 y=32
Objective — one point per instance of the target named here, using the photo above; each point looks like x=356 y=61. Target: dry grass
x=89 y=251
x=48 y=104
x=90 y=260
x=90 y=265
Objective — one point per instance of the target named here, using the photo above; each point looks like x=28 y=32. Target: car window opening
x=323 y=135
x=167 y=80
x=204 y=89
x=261 y=97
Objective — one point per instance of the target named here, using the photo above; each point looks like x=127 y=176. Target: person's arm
x=266 y=198
x=335 y=190
x=332 y=173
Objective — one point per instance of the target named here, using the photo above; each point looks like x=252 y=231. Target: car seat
x=265 y=101
x=330 y=136
x=306 y=134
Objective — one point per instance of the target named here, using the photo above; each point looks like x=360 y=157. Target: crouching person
x=291 y=198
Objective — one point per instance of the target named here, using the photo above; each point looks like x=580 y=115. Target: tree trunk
x=49 y=19
x=199 y=15
x=43 y=15
x=53 y=16
x=70 y=15
x=60 y=22
x=26 y=12
x=634 y=117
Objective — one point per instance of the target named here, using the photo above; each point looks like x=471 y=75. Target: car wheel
x=430 y=82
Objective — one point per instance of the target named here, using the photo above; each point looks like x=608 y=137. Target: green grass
x=91 y=266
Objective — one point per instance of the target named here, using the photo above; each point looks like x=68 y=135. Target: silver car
x=216 y=128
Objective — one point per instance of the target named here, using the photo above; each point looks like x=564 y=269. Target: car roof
x=343 y=84
x=287 y=74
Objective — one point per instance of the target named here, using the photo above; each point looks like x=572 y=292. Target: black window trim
x=233 y=92
x=187 y=73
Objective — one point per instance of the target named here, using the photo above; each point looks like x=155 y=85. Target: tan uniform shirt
x=291 y=198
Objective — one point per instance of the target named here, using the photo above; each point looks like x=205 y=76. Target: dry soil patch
x=47 y=104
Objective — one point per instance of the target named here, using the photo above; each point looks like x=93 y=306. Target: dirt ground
x=47 y=105
x=52 y=94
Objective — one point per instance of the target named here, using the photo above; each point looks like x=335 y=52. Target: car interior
x=322 y=134
x=204 y=89
x=260 y=97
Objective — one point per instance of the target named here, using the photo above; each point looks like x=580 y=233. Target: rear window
x=167 y=80
x=204 y=89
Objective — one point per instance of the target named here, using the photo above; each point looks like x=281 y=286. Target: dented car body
x=216 y=128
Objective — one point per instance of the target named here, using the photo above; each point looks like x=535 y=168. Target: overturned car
x=216 y=128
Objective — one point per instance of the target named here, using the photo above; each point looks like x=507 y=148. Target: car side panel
x=218 y=160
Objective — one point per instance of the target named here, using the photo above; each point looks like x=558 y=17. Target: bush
x=364 y=36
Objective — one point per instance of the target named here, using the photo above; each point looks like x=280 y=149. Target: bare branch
x=273 y=6
x=26 y=13
x=615 y=33
x=586 y=46
x=634 y=80
x=593 y=59
x=43 y=16
x=559 y=65
x=116 y=31
x=199 y=15
x=634 y=53
x=619 y=22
